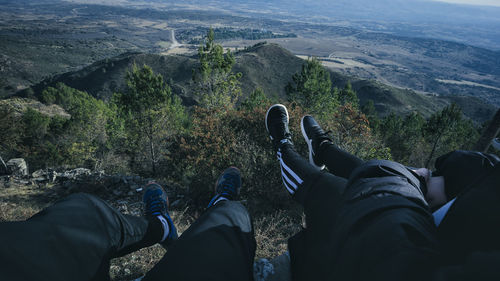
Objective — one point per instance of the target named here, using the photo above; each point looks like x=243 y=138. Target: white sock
x=166 y=228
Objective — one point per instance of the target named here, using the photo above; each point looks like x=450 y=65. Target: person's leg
x=323 y=152
x=74 y=239
x=338 y=161
x=298 y=175
x=220 y=245
x=320 y=193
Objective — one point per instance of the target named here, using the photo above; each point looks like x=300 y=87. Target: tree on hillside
x=151 y=114
x=348 y=96
x=256 y=99
x=447 y=130
x=404 y=136
x=215 y=84
x=83 y=139
x=11 y=133
x=312 y=88
x=371 y=114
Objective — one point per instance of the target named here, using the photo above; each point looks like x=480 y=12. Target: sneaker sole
x=267 y=113
x=309 y=144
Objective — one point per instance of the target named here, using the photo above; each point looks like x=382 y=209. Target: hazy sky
x=474 y=2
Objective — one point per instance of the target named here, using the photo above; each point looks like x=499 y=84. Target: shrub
x=226 y=137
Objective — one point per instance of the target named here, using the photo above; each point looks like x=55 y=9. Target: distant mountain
x=266 y=66
x=469 y=24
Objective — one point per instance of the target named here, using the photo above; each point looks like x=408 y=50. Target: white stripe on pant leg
x=288 y=180
x=292 y=173
x=291 y=191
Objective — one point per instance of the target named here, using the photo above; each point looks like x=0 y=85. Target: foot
x=156 y=207
x=227 y=186
x=277 y=125
x=314 y=136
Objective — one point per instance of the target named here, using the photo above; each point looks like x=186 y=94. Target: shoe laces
x=155 y=205
x=228 y=187
x=323 y=135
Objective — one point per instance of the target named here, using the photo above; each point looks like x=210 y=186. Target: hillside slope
x=266 y=66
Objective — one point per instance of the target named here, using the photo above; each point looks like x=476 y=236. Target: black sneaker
x=314 y=136
x=156 y=207
x=277 y=125
x=227 y=186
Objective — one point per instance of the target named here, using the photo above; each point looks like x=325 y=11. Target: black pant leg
x=295 y=170
x=219 y=246
x=306 y=181
x=339 y=162
x=321 y=195
x=74 y=239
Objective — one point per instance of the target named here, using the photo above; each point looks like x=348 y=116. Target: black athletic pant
x=220 y=245
x=320 y=193
x=298 y=172
x=75 y=239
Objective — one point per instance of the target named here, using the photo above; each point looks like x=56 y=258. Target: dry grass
x=16 y=212
x=136 y=264
x=272 y=233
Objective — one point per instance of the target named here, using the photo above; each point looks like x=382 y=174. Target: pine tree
x=312 y=88
x=151 y=113
x=348 y=96
x=216 y=85
x=447 y=130
x=256 y=99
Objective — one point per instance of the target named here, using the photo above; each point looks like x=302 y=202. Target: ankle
x=165 y=227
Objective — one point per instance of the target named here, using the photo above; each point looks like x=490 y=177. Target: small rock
x=24 y=182
x=39 y=173
x=75 y=173
x=17 y=167
x=52 y=175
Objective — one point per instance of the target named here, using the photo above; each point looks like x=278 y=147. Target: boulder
x=17 y=167
x=41 y=175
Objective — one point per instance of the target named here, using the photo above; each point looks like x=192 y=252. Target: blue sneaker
x=227 y=186
x=156 y=207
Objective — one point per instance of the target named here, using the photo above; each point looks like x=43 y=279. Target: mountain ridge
x=267 y=66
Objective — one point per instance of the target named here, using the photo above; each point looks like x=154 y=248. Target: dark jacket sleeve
x=478 y=266
x=461 y=169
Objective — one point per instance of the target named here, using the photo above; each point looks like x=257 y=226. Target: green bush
x=227 y=137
